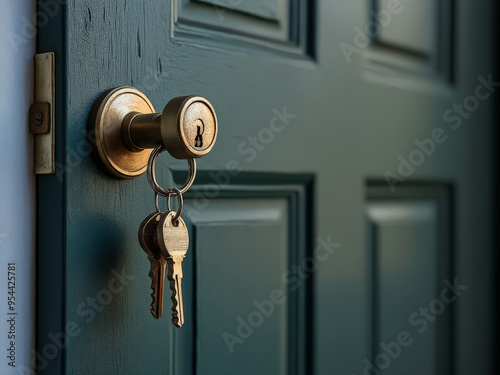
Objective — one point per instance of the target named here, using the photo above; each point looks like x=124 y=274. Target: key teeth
x=175 y=304
x=154 y=305
x=154 y=296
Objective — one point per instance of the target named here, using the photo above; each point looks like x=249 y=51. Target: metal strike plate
x=126 y=128
x=42 y=114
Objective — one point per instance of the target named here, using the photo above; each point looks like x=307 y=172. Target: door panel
x=260 y=229
x=253 y=236
x=307 y=139
x=406 y=29
x=281 y=28
x=410 y=261
x=401 y=47
x=271 y=10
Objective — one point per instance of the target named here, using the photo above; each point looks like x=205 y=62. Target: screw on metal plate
x=39 y=118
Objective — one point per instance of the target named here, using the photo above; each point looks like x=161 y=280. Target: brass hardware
x=105 y=125
x=126 y=128
x=42 y=114
x=173 y=240
x=164 y=237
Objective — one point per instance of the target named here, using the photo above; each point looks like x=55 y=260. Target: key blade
x=175 y=278
x=157 y=274
x=148 y=241
x=178 y=315
x=173 y=241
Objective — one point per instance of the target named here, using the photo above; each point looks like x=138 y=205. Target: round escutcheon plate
x=105 y=123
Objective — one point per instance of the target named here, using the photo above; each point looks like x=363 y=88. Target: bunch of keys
x=164 y=237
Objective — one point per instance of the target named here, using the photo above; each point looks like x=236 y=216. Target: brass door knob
x=126 y=127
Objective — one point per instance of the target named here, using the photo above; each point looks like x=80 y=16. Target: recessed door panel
x=241 y=296
x=410 y=262
x=268 y=9
x=248 y=307
x=278 y=27
x=412 y=27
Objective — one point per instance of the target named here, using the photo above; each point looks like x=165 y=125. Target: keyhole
x=198 y=141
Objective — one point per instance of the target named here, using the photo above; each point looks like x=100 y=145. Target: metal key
x=149 y=243
x=173 y=241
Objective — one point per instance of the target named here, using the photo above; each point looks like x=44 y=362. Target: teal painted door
x=341 y=225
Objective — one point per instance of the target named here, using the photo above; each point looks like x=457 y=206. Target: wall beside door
x=17 y=188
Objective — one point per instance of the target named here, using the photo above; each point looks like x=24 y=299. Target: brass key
x=149 y=243
x=173 y=241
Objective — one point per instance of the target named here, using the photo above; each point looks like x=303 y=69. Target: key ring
x=157 y=203
x=152 y=175
x=169 y=206
x=181 y=205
